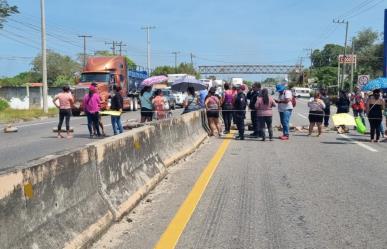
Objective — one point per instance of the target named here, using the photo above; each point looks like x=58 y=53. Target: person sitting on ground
x=191 y=102
x=374 y=108
x=316 y=113
x=117 y=104
x=66 y=102
x=212 y=105
x=264 y=107
x=158 y=104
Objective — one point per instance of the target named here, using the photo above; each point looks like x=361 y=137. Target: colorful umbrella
x=154 y=80
x=378 y=83
x=182 y=84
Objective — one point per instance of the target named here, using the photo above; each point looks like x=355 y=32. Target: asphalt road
x=308 y=192
x=36 y=139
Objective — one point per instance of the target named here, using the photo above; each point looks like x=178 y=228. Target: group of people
x=231 y=106
x=64 y=101
x=369 y=105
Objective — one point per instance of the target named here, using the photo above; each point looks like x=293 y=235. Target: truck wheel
x=135 y=104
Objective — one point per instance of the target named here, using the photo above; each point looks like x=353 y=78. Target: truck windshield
x=97 y=77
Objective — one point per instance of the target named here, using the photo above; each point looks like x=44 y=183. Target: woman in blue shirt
x=146 y=104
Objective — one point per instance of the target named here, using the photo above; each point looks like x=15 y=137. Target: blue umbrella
x=182 y=84
x=378 y=83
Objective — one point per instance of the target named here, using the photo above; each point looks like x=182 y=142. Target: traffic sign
x=362 y=80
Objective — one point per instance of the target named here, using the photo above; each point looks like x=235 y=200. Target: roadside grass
x=12 y=115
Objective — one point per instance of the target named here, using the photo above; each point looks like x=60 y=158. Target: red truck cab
x=105 y=72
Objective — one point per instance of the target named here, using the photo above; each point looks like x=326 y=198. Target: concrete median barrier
x=67 y=200
x=48 y=202
x=129 y=167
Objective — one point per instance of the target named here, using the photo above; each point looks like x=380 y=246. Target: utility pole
x=345 y=46
x=113 y=48
x=176 y=53
x=120 y=45
x=84 y=47
x=44 y=56
x=192 y=56
x=352 y=65
x=310 y=52
x=148 y=41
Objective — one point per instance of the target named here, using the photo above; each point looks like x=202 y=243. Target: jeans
x=254 y=122
x=268 y=120
x=116 y=124
x=327 y=113
x=381 y=129
x=64 y=113
x=285 y=119
x=227 y=118
x=239 y=120
x=375 y=127
x=93 y=121
x=359 y=113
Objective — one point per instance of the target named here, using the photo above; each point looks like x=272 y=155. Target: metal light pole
x=352 y=65
x=148 y=39
x=44 y=56
x=345 y=46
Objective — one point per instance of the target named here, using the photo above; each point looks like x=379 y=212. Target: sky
x=217 y=32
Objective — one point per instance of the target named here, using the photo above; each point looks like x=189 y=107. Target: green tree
x=327 y=57
x=57 y=65
x=326 y=76
x=21 y=79
x=183 y=68
x=5 y=11
x=63 y=80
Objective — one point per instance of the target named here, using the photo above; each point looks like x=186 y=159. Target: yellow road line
x=174 y=230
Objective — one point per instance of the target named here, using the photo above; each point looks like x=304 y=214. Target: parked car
x=301 y=92
x=179 y=98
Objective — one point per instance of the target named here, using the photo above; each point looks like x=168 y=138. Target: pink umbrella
x=154 y=80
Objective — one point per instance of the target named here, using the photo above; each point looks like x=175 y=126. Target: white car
x=301 y=92
x=179 y=98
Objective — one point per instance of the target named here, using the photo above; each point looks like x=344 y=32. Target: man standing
x=240 y=103
x=285 y=108
x=327 y=110
x=202 y=96
x=252 y=96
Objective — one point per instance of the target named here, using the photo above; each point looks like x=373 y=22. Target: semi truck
x=106 y=72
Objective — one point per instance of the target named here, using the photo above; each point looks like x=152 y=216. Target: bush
x=3 y=104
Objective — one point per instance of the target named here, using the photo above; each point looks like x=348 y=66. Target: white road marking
x=302 y=116
x=42 y=123
x=359 y=143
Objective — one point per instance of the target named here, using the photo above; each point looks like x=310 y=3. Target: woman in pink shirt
x=66 y=101
x=264 y=107
x=92 y=106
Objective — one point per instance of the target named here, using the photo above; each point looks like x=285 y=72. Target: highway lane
x=308 y=192
x=36 y=139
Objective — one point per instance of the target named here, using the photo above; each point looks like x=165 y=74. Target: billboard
x=349 y=59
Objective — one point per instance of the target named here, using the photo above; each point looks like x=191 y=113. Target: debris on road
x=10 y=129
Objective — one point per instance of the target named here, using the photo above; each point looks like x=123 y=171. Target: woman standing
x=264 y=107
x=92 y=106
x=227 y=107
x=66 y=101
x=316 y=113
x=146 y=104
x=374 y=108
x=158 y=104
x=191 y=102
x=117 y=104
x=212 y=104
